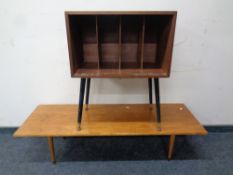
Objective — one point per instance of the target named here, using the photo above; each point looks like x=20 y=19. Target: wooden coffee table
x=110 y=120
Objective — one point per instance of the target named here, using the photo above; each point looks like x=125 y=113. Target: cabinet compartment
x=155 y=41
x=130 y=47
x=108 y=29
x=83 y=41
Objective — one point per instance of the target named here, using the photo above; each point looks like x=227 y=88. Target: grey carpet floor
x=211 y=154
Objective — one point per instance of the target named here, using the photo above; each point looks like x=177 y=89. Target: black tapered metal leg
x=81 y=97
x=150 y=90
x=157 y=100
x=87 y=92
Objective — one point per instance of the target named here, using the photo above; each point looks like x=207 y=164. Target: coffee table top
x=110 y=120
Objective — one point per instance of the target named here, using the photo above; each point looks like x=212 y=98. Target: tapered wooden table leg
x=171 y=146
x=51 y=149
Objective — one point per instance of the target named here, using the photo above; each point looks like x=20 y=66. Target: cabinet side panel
x=166 y=64
x=70 y=50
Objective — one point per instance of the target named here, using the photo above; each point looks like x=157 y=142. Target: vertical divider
x=98 y=42
x=120 y=42
x=141 y=44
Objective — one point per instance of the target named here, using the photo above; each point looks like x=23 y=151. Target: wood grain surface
x=110 y=120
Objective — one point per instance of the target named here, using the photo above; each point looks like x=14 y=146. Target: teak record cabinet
x=120 y=45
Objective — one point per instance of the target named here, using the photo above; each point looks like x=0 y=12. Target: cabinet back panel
x=129 y=52
x=150 y=51
x=109 y=52
x=90 y=52
x=108 y=28
x=131 y=26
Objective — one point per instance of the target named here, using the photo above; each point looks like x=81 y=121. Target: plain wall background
x=34 y=61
